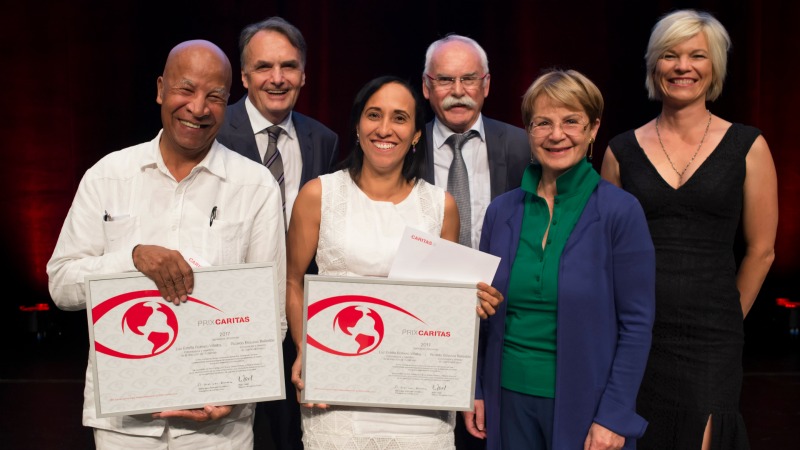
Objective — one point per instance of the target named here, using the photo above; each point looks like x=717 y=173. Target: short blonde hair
x=679 y=26
x=568 y=87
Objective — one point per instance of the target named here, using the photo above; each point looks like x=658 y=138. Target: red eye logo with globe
x=356 y=325
x=147 y=326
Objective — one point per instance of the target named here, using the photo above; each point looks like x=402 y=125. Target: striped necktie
x=273 y=160
x=458 y=185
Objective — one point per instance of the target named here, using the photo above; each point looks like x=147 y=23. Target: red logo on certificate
x=146 y=325
x=356 y=324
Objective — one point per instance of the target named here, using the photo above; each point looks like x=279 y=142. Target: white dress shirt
x=289 y=147
x=476 y=158
x=146 y=205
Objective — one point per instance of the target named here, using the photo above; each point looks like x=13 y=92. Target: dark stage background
x=80 y=80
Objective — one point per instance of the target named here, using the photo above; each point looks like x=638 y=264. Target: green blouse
x=529 y=352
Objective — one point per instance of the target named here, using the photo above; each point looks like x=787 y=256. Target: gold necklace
x=680 y=174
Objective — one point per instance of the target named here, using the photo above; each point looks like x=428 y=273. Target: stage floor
x=41 y=388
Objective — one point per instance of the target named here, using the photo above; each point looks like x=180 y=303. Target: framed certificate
x=221 y=347
x=389 y=343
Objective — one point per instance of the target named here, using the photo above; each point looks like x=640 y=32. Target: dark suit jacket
x=508 y=150
x=606 y=307
x=319 y=145
x=319 y=150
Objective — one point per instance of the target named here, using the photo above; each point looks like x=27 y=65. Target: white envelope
x=423 y=256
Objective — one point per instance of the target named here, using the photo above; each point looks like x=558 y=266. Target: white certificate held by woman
x=220 y=347
x=389 y=343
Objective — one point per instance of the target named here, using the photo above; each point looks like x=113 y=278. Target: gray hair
x=278 y=24
x=449 y=38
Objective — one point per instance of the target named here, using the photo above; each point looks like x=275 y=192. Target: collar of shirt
x=441 y=132
x=213 y=162
x=576 y=180
x=259 y=122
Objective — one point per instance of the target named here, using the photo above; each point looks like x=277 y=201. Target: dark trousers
x=277 y=423
x=526 y=421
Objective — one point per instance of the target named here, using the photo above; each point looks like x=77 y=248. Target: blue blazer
x=508 y=150
x=606 y=307
x=319 y=146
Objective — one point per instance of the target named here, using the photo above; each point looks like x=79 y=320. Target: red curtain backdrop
x=80 y=80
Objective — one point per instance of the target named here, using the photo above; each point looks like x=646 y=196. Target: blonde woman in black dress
x=698 y=178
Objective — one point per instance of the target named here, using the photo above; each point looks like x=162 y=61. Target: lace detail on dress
x=333 y=429
x=359 y=236
x=428 y=202
x=330 y=253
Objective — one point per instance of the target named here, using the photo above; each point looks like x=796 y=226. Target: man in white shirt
x=147 y=207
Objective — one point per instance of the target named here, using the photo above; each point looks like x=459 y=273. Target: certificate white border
x=241 y=286
x=393 y=375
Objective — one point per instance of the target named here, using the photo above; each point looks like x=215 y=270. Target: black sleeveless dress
x=695 y=365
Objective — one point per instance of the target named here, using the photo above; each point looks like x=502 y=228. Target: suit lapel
x=305 y=142
x=242 y=135
x=429 y=176
x=496 y=151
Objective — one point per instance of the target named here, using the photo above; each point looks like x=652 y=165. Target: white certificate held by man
x=389 y=343
x=221 y=347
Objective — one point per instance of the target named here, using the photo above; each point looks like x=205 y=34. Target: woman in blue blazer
x=560 y=363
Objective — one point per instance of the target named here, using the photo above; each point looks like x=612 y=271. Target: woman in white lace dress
x=352 y=220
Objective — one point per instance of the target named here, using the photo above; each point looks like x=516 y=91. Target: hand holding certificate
x=221 y=347
x=407 y=341
x=379 y=342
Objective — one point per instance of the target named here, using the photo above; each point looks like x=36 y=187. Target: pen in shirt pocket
x=212 y=216
x=117 y=217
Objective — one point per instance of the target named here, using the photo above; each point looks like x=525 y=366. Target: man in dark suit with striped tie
x=493 y=154
x=272 y=59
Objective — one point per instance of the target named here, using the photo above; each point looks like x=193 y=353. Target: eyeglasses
x=571 y=127
x=468 y=81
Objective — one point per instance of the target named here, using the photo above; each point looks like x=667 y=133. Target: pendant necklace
x=680 y=174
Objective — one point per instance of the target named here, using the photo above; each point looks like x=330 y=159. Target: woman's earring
x=591 y=149
x=413 y=147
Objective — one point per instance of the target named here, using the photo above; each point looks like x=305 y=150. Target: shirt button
x=549 y=241
x=555 y=222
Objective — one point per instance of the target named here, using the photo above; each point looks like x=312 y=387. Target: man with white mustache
x=456 y=82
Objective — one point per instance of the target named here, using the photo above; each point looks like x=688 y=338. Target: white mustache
x=451 y=102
